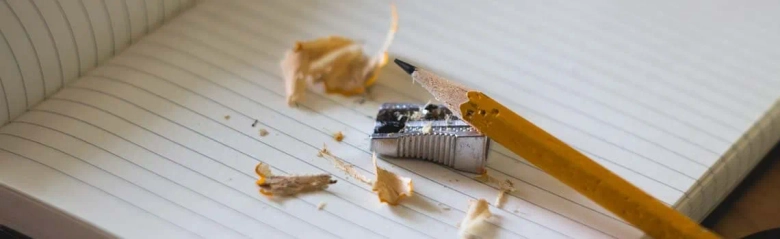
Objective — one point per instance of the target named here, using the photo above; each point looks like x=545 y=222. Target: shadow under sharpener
x=398 y=133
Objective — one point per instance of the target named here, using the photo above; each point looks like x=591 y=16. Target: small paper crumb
x=271 y=185
x=321 y=205
x=334 y=63
x=338 y=136
x=227 y=117
x=504 y=187
x=444 y=207
x=343 y=166
x=428 y=128
x=477 y=213
x=390 y=187
x=263 y=132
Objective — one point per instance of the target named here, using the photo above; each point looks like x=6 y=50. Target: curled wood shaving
x=321 y=205
x=263 y=132
x=271 y=185
x=338 y=136
x=390 y=187
x=477 y=213
x=504 y=187
x=336 y=62
x=343 y=166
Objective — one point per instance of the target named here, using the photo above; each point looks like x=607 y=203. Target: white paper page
x=148 y=130
x=44 y=44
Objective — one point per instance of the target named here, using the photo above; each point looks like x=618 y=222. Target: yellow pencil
x=559 y=159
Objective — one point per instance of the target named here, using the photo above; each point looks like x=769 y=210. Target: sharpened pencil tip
x=406 y=66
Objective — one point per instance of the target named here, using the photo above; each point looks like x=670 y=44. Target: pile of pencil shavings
x=334 y=63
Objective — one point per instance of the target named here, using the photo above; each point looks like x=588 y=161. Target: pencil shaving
x=271 y=185
x=477 y=213
x=343 y=166
x=390 y=187
x=321 y=205
x=294 y=184
x=334 y=63
x=338 y=136
x=263 y=170
x=263 y=132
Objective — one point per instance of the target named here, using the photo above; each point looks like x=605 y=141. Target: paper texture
x=46 y=44
x=674 y=101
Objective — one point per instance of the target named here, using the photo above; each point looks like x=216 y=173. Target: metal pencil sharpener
x=429 y=132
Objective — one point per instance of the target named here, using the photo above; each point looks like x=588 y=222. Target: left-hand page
x=45 y=44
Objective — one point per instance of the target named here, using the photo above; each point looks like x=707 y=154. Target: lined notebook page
x=45 y=44
x=145 y=137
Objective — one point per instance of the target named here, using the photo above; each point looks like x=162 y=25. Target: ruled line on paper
x=69 y=31
x=54 y=42
x=35 y=52
x=14 y=59
x=607 y=36
x=54 y=45
x=54 y=169
x=162 y=169
x=129 y=23
x=111 y=29
x=14 y=126
x=562 y=27
x=659 y=20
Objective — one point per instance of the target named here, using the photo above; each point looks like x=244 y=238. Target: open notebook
x=114 y=122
